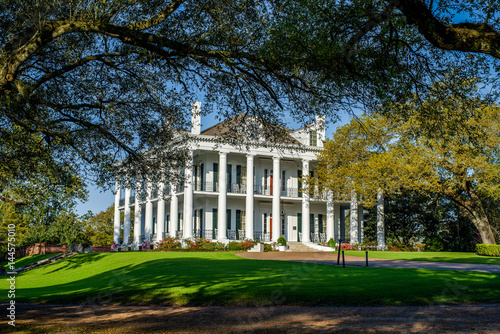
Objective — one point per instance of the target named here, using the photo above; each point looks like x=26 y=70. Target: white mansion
x=250 y=191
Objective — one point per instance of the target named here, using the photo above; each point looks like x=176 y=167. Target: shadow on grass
x=223 y=279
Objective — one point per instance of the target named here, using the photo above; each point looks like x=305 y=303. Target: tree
x=447 y=145
x=370 y=52
x=102 y=81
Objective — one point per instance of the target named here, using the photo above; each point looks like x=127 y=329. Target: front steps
x=299 y=247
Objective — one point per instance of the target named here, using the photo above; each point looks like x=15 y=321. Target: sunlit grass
x=225 y=279
x=454 y=257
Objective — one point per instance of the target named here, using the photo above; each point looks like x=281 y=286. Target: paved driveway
x=331 y=259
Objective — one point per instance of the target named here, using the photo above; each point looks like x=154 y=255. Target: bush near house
x=203 y=245
x=488 y=250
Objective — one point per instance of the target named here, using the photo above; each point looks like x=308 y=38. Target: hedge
x=488 y=250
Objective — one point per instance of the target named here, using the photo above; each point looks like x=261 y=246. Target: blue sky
x=99 y=201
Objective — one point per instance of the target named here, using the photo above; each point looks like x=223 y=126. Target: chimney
x=321 y=128
x=196 y=118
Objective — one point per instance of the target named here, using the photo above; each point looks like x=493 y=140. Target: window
x=320 y=224
x=299 y=223
x=299 y=176
x=265 y=179
x=313 y=138
x=238 y=175
x=311 y=222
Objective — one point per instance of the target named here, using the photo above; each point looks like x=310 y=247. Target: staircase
x=43 y=262
x=299 y=247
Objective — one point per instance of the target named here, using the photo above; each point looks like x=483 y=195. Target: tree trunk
x=475 y=212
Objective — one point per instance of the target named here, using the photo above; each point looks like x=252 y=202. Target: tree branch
x=467 y=37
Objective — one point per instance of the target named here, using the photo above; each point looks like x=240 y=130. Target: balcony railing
x=206 y=186
x=261 y=236
x=236 y=188
x=290 y=192
x=261 y=190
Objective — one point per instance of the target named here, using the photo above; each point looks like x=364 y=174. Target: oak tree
x=447 y=145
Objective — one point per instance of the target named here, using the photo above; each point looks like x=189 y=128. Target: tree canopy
x=447 y=144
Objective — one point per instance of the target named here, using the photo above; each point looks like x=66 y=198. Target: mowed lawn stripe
x=225 y=279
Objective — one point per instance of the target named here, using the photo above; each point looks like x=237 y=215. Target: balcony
x=291 y=192
x=261 y=190
x=206 y=186
x=236 y=188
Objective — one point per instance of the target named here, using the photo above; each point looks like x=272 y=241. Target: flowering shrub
x=114 y=247
x=146 y=244
x=346 y=246
x=168 y=243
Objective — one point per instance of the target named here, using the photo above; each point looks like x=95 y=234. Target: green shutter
x=238 y=220
x=216 y=176
x=320 y=223
x=228 y=219
x=238 y=175
x=299 y=223
x=311 y=223
x=214 y=222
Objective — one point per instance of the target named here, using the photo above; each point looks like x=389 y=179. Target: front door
x=292 y=228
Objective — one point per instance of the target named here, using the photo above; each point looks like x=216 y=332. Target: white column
x=354 y=219
x=188 y=197
x=330 y=214
x=380 y=221
x=160 y=214
x=174 y=210
x=336 y=219
x=276 y=198
x=249 y=199
x=360 y=223
x=306 y=228
x=138 y=213
x=221 y=211
x=148 y=226
x=126 y=223
x=116 y=223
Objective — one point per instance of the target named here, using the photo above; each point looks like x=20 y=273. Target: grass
x=454 y=257
x=225 y=279
x=29 y=259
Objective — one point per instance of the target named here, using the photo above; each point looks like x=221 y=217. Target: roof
x=240 y=127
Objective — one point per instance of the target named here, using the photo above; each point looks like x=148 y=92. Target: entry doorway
x=292 y=229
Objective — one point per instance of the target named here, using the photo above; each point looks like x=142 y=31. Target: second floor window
x=313 y=138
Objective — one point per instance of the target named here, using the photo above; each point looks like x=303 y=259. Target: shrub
x=268 y=248
x=168 y=243
x=346 y=246
x=488 y=250
x=434 y=243
x=331 y=243
x=282 y=241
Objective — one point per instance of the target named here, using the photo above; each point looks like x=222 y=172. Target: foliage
x=168 y=243
x=448 y=146
x=99 y=227
x=98 y=82
x=370 y=52
x=346 y=246
x=281 y=241
x=332 y=243
x=8 y=216
x=488 y=250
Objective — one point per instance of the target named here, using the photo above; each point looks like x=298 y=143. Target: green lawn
x=25 y=260
x=429 y=256
x=225 y=279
